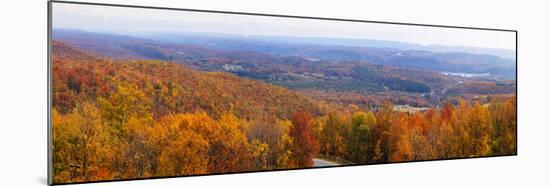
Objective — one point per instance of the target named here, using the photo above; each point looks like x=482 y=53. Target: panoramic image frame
x=148 y=92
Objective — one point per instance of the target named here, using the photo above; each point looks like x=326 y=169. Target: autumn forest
x=125 y=108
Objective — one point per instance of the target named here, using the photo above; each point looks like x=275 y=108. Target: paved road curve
x=323 y=163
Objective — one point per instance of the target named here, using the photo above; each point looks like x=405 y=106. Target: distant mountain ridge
x=203 y=46
x=447 y=59
x=415 y=77
x=332 y=41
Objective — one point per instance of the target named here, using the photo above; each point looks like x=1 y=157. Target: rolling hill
x=166 y=87
x=499 y=62
x=293 y=72
x=419 y=78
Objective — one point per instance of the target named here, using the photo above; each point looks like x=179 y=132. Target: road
x=323 y=163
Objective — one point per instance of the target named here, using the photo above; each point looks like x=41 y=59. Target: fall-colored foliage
x=465 y=130
x=140 y=119
x=305 y=145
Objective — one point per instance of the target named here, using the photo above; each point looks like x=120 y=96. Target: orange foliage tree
x=305 y=145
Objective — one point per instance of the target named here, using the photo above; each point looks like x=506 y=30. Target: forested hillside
x=131 y=119
x=123 y=119
x=167 y=87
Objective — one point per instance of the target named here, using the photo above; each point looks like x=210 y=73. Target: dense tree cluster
x=117 y=137
x=464 y=130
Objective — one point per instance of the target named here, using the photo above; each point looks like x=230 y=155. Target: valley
x=405 y=77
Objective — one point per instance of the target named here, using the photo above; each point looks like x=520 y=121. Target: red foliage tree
x=306 y=146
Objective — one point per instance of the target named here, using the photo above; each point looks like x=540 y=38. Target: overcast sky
x=123 y=19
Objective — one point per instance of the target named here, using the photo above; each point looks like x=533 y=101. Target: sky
x=127 y=20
